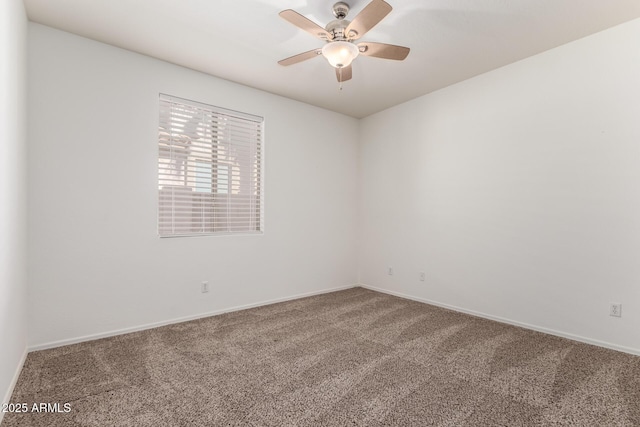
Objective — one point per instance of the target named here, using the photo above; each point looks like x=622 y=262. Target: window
x=209 y=170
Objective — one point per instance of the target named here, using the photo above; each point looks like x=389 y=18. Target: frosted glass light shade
x=340 y=53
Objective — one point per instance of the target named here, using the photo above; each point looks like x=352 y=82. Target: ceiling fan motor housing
x=337 y=27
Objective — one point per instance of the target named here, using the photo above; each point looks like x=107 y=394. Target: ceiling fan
x=339 y=34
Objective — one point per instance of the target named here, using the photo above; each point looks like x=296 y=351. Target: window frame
x=255 y=166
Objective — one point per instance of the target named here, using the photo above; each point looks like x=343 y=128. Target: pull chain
x=340 y=72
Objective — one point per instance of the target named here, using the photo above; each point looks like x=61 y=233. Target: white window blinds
x=209 y=170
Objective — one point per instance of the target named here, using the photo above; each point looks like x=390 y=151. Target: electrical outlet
x=615 y=310
x=205 y=287
x=423 y=276
x=390 y=271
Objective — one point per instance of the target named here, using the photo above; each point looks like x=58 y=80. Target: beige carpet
x=354 y=357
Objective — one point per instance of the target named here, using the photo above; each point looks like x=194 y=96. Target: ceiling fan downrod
x=337 y=28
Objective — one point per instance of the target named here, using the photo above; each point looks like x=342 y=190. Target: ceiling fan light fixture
x=340 y=53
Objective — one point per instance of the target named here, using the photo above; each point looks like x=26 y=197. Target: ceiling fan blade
x=343 y=74
x=373 y=13
x=300 y=57
x=383 y=50
x=305 y=24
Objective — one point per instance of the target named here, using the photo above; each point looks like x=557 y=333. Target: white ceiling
x=242 y=40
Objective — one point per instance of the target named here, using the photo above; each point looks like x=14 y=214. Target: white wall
x=517 y=192
x=96 y=263
x=13 y=193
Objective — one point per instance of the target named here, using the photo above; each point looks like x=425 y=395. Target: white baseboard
x=100 y=335
x=14 y=381
x=557 y=333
